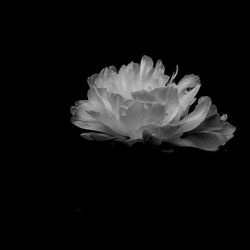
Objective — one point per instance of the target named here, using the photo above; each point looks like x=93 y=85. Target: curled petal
x=212 y=133
x=184 y=112
x=213 y=122
x=174 y=75
x=171 y=101
x=186 y=101
x=189 y=81
x=224 y=117
x=188 y=98
x=196 y=117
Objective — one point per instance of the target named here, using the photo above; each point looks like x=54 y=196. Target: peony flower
x=141 y=102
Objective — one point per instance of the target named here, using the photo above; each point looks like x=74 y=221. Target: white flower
x=140 y=101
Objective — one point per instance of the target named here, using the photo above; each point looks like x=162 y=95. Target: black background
x=96 y=195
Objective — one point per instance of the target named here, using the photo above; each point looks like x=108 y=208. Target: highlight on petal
x=146 y=68
x=139 y=103
x=196 y=117
x=189 y=81
x=132 y=118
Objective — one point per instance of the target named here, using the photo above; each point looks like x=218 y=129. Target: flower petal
x=169 y=96
x=159 y=78
x=96 y=136
x=107 y=119
x=100 y=109
x=154 y=113
x=143 y=95
x=187 y=99
x=81 y=118
x=195 y=118
x=133 y=117
x=189 y=81
x=204 y=140
x=79 y=112
x=214 y=123
x=149 y=138
x=95 y=126
x=146 y=68
x=116 y=101
x=163 y=133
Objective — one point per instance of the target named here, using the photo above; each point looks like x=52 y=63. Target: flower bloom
x=141 y=101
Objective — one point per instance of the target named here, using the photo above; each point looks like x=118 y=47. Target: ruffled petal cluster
x=140 y=101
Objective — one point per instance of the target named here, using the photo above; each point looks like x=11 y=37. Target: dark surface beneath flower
x=119 y=193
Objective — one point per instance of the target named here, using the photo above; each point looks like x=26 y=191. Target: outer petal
x=195 y=118
x=146 y=68
x=107 y=119
x=227 y=130
x=79 y=112
x=158 y=77
x=96 y=136
x=105 y=79
x=95 y=126
x=101 y=110
x=189 y=81
x=85 y=121
x=203 y=140
x=213 y=122
x=187 y=99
